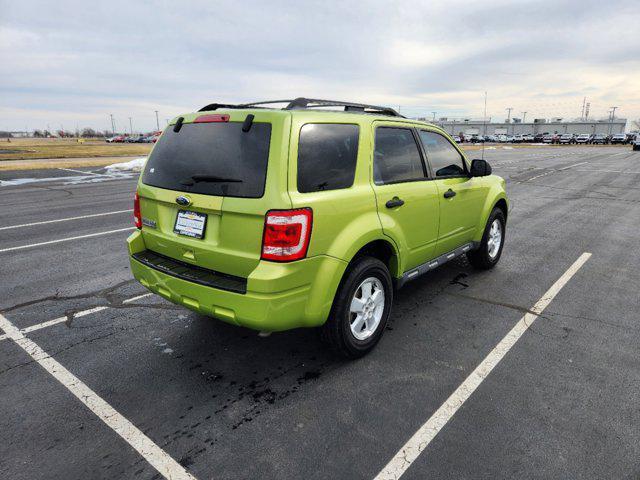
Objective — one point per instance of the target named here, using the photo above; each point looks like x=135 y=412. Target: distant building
x=539 y=125
x=19 y=134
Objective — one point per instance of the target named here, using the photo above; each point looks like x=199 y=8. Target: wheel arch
x=502 y=205
x=384 y=250
x=496 y=199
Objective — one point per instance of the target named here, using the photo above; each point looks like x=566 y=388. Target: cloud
x=75 y=63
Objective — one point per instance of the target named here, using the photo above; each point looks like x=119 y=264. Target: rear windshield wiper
x=208 y=178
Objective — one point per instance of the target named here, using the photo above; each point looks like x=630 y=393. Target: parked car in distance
x=457 y=139
x=618 y=139
x=636 y=143
x=274 y=219
x=527 y=137
x=599 y=139
x=583 y=138
x=549 y=138
x=538 y=137
x=517 y=138
x=567 y=139
x=491 y=138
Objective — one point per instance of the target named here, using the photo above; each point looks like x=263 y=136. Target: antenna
x=484 y=123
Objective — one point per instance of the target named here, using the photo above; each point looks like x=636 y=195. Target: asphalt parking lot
x=223 y=402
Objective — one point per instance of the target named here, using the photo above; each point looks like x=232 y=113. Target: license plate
x=191 y=224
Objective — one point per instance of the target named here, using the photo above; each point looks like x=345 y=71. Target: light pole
x=524 y=117
x=509 y=118
x=434 y=116
x=113 y=125
x=130 y=126
x=157 y=121
x=611 y=118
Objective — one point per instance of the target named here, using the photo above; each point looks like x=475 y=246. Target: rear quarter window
x=327 y=156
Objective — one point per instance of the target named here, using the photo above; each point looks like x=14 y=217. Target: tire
x=485 y=256
x=338 y=331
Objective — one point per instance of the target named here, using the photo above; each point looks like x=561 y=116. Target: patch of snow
x=507 y=148
x=135 y=165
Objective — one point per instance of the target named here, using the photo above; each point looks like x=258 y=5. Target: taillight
x=286 y=234
x=137 y=219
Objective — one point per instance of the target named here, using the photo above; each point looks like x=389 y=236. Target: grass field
x=32 y=148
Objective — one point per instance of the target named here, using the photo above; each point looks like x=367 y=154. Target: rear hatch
x=208 y=183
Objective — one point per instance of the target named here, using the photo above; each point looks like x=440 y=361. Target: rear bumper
x=279 y=296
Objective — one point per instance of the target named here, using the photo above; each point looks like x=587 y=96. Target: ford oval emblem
x=182 y=200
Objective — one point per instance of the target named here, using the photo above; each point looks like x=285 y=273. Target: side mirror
x=480 y=168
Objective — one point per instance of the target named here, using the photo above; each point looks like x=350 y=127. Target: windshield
x=212 y=159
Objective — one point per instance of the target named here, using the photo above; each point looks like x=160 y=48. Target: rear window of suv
x=211 y=159
x=327 y=155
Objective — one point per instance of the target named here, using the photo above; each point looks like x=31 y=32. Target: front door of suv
x=407 y=199
x=461 y=196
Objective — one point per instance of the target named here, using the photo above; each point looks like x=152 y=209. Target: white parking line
x=97 y=234
x=65 y=219
x=133 y=299
x=152 y=453
x=428 y=431
x=605 y=171
x=571 y=166
x=83 y=172
x=81 y=313
x=55 y=321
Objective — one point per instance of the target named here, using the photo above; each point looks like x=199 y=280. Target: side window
x=327 y=155
x=396 y=157
x=443 y=157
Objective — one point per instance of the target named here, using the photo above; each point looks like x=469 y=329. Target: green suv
x=309 y=215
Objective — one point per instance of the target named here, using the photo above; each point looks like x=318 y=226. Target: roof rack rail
x=302 y=103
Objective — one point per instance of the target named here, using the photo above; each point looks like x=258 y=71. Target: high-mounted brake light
x=211 y=118
x=137 y=219
x=286 y=234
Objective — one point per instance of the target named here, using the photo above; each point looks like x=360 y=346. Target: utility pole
x=434 y=116
x=524 y=116
x=611 y=118
x=130 y=126
x=584 y=102
x=509 y=118
x=484 y=122
x=113 y=125
x=157 y=121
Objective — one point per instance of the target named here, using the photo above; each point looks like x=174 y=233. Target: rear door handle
x=394 y=202
x=449 y=194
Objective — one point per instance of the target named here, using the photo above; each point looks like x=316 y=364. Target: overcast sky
x=74 y=63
